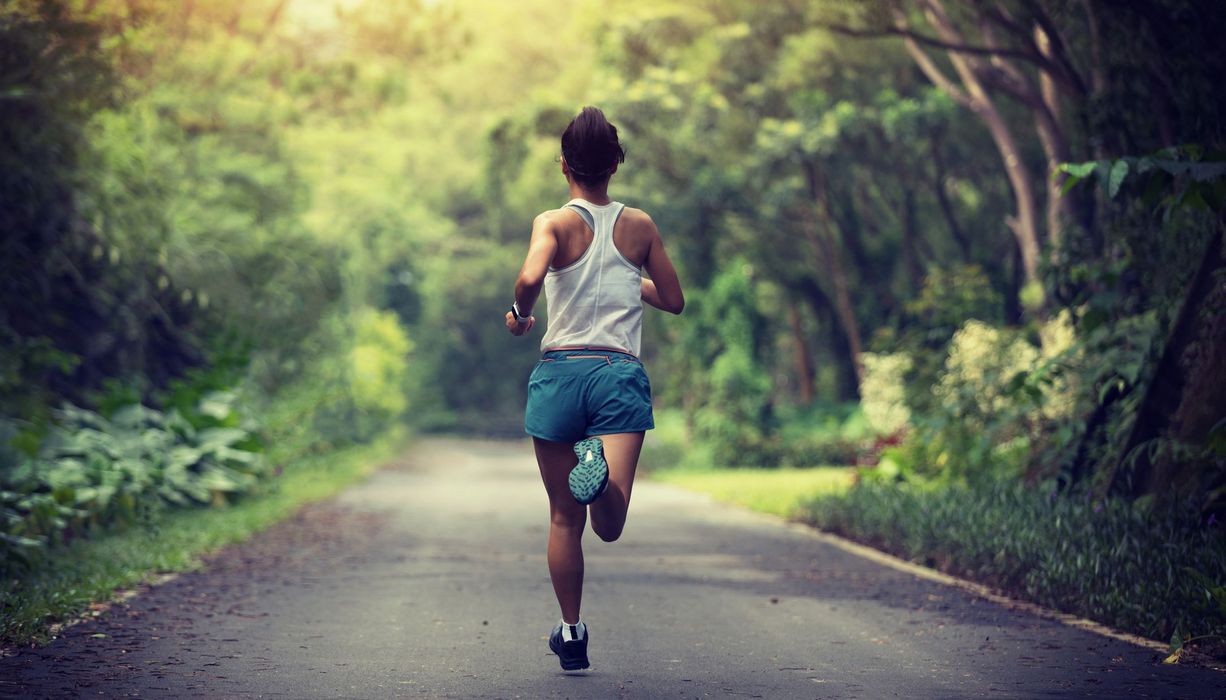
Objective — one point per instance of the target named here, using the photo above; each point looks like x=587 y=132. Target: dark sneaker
x=590 y=477
x=572 y=655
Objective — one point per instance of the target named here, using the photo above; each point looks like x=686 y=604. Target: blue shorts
x=575 y=394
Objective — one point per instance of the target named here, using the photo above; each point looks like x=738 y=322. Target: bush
x=1152 y=570
x=353 y=386
x=728 y=397
x=1002 y=406
x=948 y=299
x=92 y=472
x=821 y=435
x=883 y=391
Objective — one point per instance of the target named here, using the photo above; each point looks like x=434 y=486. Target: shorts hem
x=551 y=438
x=618 y=431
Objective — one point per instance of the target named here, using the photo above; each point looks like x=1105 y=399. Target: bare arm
x=532 y=275
x=650 y=294
x=663 y=290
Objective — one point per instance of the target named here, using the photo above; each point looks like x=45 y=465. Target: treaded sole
x=589 y=479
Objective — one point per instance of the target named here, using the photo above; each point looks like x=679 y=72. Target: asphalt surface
x=429 y=581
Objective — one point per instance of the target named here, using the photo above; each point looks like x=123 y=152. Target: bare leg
x=621 y=452
x=566 y=521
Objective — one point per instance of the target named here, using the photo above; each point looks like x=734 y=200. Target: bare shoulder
x=639 y=223
x=549 y=221
x=551 y=216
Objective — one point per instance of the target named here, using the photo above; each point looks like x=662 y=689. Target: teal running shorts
x=575 y=394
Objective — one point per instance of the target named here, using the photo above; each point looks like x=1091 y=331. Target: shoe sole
x=590 y=477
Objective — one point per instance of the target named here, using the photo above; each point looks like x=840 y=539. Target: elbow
x=676 y=307
x=526 y=282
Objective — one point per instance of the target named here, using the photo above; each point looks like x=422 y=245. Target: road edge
x=978 y=589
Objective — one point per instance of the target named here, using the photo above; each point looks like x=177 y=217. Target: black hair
x=591 y=148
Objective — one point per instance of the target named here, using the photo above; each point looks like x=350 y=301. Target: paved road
x=429 y=581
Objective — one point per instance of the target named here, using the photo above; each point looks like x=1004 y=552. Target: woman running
x=588 y=396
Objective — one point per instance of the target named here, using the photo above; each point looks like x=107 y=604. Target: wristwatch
x=519 y=318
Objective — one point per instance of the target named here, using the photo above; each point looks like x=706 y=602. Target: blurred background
x=968 y=256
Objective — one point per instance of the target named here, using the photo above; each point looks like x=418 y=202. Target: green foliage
x=1127 y=564
x=471 y=373
x=65 y=580
x=1174 y=178
x=353 y=386
x=379 y=361
x=327 y=208
x=882 y=392
x=948 y=298
x=732 y=403
x=782 y=492
x=75 y=308
x=93 y=472
x=820 y=435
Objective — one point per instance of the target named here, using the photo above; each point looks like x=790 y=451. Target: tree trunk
x=804 y=363
x=847 y=388
x=1025 y=224
x=1165 y=392
x=851 y=223
x=910 y=244
x=1060 y=210
x=947 y=208
x=829 y=251
x=1013 y=286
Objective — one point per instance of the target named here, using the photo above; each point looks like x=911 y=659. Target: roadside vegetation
x=217 y=230
x=971 y=254
x=69 y=578
x=987 y=247
x=1137 y=567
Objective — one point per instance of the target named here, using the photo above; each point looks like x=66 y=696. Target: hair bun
x=591 y=147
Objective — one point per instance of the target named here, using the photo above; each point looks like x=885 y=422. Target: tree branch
x=934 y=42
x=1060 y=68
x=1059 y=52
x=926 y=64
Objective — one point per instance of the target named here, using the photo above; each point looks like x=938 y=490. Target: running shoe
x=572 y=655
x=590 y=477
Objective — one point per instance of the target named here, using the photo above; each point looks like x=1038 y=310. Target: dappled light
x=952 y=270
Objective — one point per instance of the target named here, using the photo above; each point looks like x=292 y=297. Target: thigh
x=555 y=460
x=621 y=452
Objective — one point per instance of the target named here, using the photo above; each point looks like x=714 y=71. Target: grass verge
x=69 y=578
x=1156 y=571
x=782 y=492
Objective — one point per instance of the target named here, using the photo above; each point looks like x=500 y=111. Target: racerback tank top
x=597 y=300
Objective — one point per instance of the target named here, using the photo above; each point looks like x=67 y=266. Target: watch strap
x=519 y=318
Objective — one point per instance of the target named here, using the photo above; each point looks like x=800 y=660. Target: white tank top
x=597 y=300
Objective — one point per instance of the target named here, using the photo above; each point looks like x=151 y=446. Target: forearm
x=650 y=294
x=526 y=294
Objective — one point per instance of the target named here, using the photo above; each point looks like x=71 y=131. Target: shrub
x=379 y=364
x=982 y=361
x=92 y=472
x=728 y=398
x=1000 y=406
x=1153 y=570
x=883 y=391
x=949 y=297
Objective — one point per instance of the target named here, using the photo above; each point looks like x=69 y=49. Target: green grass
x=69 y=578
x=1149 y=569
x=670 y=457
x=778 y=491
